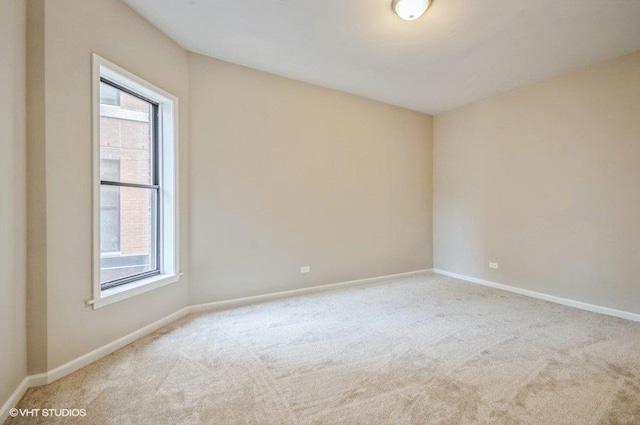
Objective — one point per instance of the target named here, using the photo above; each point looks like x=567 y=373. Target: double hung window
x=135 y=185
x=130 y=190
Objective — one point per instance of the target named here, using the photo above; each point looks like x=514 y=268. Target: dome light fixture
x=410 y=9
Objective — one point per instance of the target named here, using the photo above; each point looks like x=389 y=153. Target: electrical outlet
x=305 y=269
x=493 y=265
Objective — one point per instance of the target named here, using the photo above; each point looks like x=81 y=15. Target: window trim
x=167 y=178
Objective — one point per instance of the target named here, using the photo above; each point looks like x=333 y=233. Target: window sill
x=123 y=292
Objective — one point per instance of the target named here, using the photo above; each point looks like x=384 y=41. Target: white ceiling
x=460 y=51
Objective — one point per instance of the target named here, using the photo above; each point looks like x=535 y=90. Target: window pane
x=126 y=136
x=109 y=219
x=110 y=169
x=131 y=227
x=109 y=95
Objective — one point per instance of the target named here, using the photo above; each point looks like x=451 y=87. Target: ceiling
x=460 y=51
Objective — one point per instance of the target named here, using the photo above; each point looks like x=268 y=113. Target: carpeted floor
x=419 y=350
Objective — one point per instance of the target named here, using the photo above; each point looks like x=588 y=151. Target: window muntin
x=130 y=189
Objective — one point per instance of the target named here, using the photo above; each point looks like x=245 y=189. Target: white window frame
x=168 y=177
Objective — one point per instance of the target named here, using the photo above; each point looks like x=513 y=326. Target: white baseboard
x=238 y=302
x=546 y=297
x=13 y=399
x=86 y=359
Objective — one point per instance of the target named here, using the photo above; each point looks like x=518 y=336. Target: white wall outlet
x=305 y=269
x=493 y=265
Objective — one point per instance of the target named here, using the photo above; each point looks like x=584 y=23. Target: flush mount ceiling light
x=410 y=9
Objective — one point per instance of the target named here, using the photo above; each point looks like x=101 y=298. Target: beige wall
x=112 y=30
x=286 y=174
x=36 y=192
x=545 y=181
x=13 y=327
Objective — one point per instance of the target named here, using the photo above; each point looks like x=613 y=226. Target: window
x=135 y=228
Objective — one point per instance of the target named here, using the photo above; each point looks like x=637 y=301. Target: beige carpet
x=419 y=350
